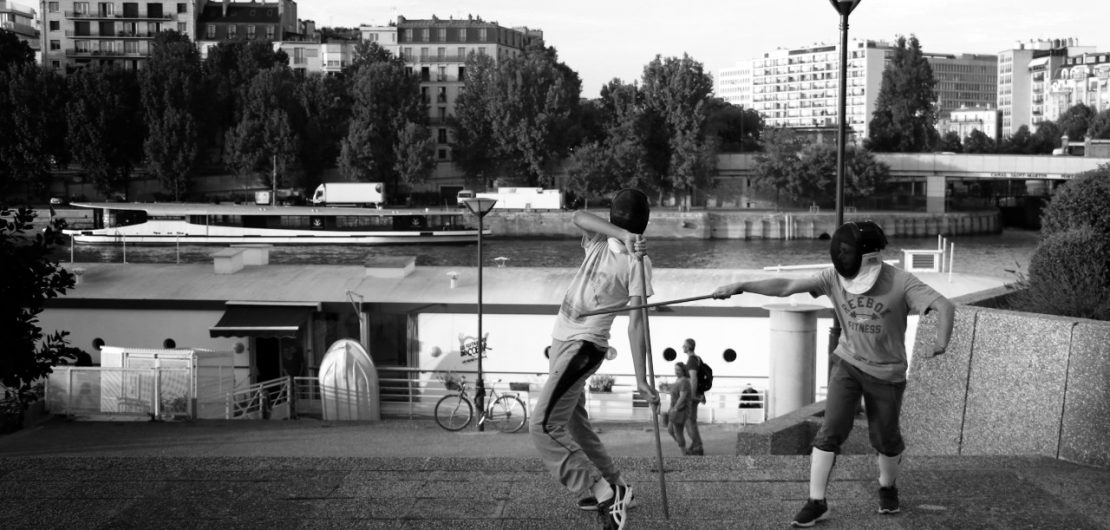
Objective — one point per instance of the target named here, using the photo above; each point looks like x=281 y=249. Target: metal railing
x=139 y=393
x=261 y=401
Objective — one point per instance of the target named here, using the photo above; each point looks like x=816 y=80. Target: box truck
x=349 y=194
x=525 y=199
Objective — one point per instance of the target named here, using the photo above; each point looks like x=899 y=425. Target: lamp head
x=480 y=206
x=844 y=7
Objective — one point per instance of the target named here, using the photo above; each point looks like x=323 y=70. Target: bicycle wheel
x=508 y=413
x=454 y=412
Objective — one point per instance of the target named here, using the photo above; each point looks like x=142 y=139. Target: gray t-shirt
x=873 y=336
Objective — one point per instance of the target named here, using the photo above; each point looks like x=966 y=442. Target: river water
x=983 y=255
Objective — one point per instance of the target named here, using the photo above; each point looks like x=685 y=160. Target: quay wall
x=746 y=224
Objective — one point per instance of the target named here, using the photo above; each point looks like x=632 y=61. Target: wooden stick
x=651 y=381
x=644 y=306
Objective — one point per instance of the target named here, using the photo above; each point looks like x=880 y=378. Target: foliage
x=1046 y=138
x=263 y=142
x=950 y=143
x=1075 y=121
x=28 y=277
x=228 y=70
x=320 y=118
x=905 y=115
x=619 y=160
x=1082 y=202
x=171 y=96
x=367 y=52
x=474 y=148
x=602 y=383
x=1069 y=275
x=1100 y=126
x=978 y=142
x=104 y=125
x=386 y=133
x=32 y=112
x=806 y=174
x=1019 y=143
x=676 y=93
x=777 y=168
x=13 y=51
x=737 y=129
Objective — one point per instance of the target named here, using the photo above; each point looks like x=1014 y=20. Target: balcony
x=117 y=16
x=106 y=54
x=116 y=35
x=437 y=59
x=19 y=29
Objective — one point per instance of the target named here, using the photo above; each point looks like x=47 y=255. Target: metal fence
x=120 y=393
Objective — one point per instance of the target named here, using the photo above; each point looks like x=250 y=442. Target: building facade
x=1024 y=79
x=734 y=84
x=964 y=81
x=24 y=22
x=1082 y=79
x=966 y=119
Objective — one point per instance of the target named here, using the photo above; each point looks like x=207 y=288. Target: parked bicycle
x=455 y=411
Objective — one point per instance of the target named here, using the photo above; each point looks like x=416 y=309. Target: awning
x=262 y=320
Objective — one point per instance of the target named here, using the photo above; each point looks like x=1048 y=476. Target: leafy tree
x=228 y=71
x=1075 y=121
x=816 y=178
x=1019 y=143
x=28 y=277
x=171 y=96
x=677 y=91
x=619 y=160
x=778 y=166
x=104 y=123
x=387 y=130
x=736 y=128
x=1046 y=138
x=978 y=142
x=905 y=115
x=13 y=51
x=263 y=142
x=950 y=142
x=1100 y=126
x=320 y=120
x=1081 y=202
x=474 y=149
x=32 y=110
x=367 y=52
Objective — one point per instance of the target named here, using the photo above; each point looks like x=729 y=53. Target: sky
x=606 y=39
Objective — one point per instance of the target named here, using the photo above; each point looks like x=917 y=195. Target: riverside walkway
x=411 y=474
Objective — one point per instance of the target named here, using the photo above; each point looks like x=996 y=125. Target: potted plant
x=601 y=383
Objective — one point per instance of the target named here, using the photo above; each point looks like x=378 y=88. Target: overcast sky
x=603 y=39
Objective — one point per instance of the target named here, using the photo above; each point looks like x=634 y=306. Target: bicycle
x=455 y=411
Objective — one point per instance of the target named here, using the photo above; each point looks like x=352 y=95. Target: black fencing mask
x=630 y=210
x=856 y=246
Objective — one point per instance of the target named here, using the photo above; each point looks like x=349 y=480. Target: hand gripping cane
x=651 y=381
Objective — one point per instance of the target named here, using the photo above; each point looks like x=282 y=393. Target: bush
x=1084 y=201
x=1069 y=275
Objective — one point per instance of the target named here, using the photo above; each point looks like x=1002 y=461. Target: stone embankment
x=748 y=224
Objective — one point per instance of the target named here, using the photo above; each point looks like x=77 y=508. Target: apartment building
x=734 y=84
x=1081 y=79
x=966 y=119
x=964 y=81
x=24 y=22
x=1024 y=77
x=76 y=34
x=272 y=21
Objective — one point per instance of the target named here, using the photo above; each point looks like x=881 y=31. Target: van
x=462 y=196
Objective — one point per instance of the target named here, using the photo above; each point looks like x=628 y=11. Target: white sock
x=603 y=491
x=888 y=470
x=820 y=468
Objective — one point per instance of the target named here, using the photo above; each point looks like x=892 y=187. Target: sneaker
x=613 y=513
x=813 y=511
x=888 y=500
x=589 y=504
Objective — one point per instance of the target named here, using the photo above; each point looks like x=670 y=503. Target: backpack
x=705 y=377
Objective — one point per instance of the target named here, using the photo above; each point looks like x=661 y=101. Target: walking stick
x=655 y=407
x=644 y=306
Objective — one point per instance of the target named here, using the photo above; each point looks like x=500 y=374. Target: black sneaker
x=813 y=511
x=888 y=500
x=613 y=513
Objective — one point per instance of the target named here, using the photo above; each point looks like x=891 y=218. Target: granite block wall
x=1011 y=383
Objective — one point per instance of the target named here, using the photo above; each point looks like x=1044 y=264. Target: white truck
x=525 y=199
x=368 y=194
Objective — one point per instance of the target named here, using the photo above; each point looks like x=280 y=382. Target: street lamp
x=480 y=207
x=844 y=7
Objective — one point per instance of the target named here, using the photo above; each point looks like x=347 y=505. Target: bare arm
x=769 y=287
x=639 y=351
x=946 y=317
x=592 y=223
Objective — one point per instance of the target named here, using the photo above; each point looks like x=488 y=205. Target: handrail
x=258 y=400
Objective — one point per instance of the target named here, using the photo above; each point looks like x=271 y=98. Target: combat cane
x=651 y=380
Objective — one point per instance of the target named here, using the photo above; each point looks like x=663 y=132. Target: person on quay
x=693 y=366
x=871 y=299
x=680 y=405
x=611 y=276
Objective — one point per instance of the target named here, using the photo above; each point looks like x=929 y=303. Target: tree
x=171 y=96
x=387 y=129
x=28 y=277
x=474 y=148
x=736 y=128
x=816 y=179
x=13 y=51
x=677 y=91
x=228 y=71
x=32 y=110
x=1046 y=138
x=978 y=143
x=950 y=142
x=905 y=115
x=1019 y=143
x=778 y=166
x=619 y=160
x=1075 y=121
x=1100 y=126
x=104 y=124
x=263 y=142
x=367 y=52
x=320 y=120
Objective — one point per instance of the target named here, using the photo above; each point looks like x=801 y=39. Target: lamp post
x=844 y=7
x=480 y=207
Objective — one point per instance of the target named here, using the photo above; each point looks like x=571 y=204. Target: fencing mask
x=630 y=210
x=855 y=254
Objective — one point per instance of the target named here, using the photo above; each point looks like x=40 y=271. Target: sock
x=888 y=469
x=603 y=491
x=820 y=469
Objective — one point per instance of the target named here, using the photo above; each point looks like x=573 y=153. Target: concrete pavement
x=411 y=474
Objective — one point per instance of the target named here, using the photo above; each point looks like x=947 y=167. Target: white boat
x=199 y=223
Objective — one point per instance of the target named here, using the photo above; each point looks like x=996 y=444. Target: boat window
x=166 y=218
x=410 y=222
x=295 y=221
x=225 y=220
x=366 y=222
x=198 y=219
x=129 y=217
